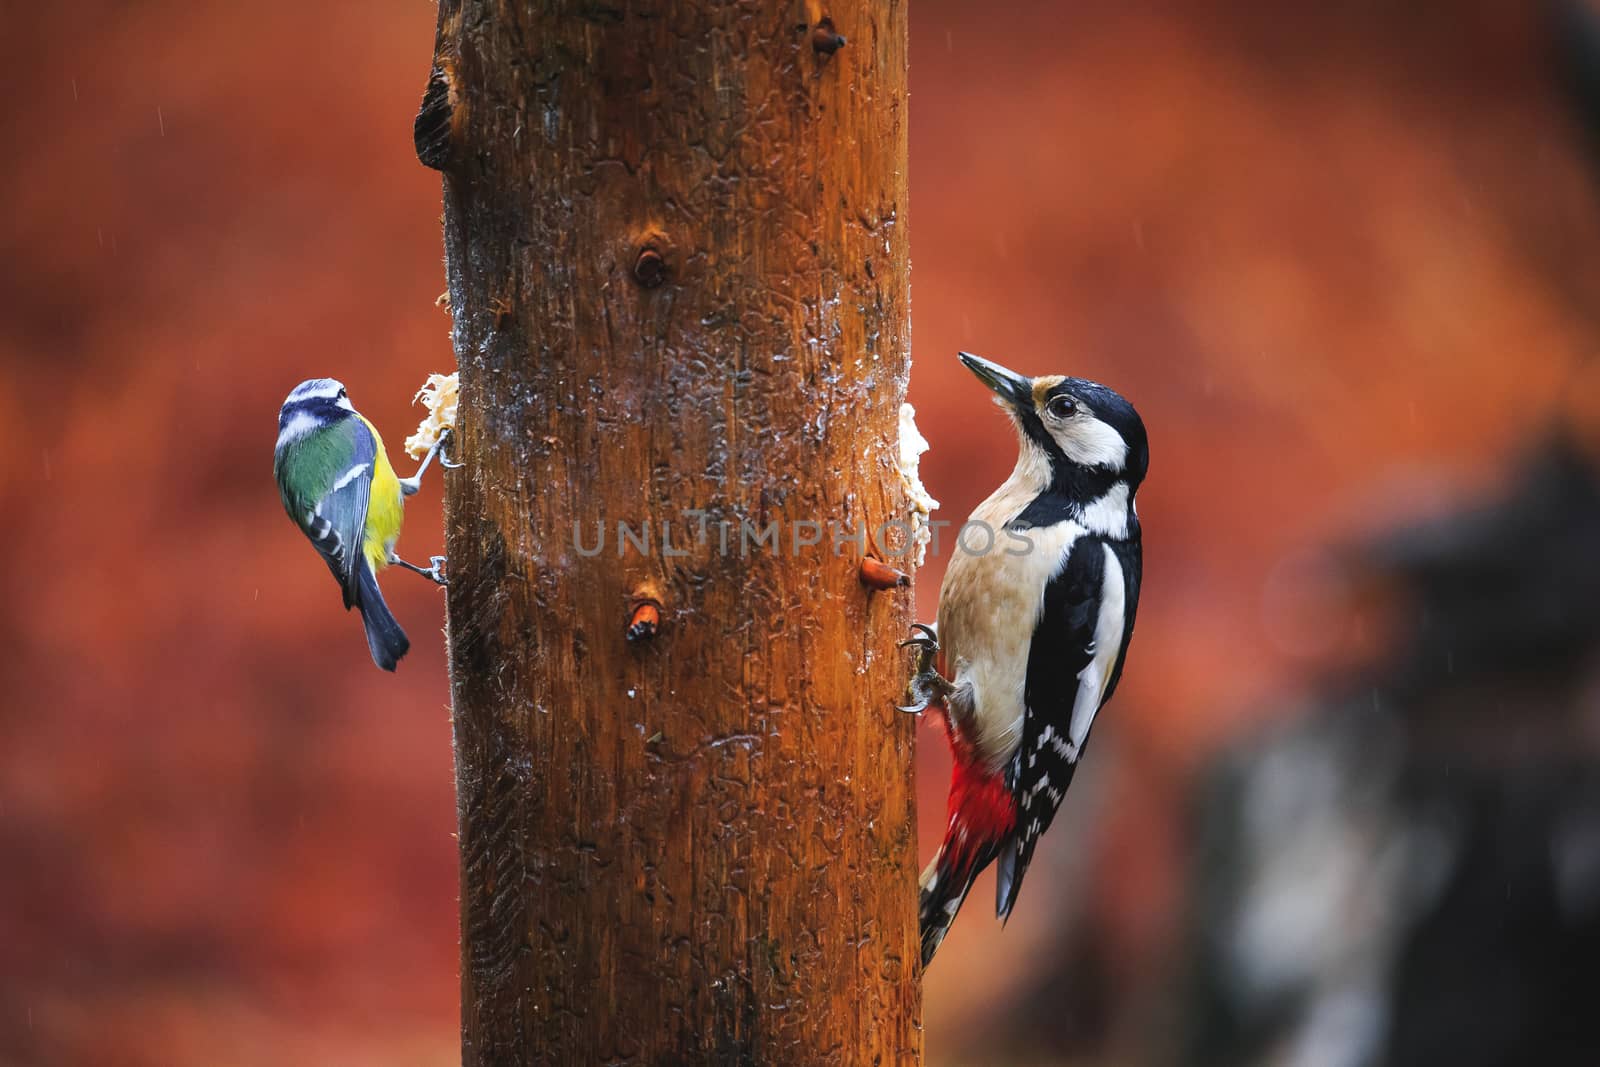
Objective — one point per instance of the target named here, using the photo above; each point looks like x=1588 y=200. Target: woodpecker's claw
x=926 y=689
x=927 y=686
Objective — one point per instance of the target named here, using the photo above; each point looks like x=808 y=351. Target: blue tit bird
x=339 y=488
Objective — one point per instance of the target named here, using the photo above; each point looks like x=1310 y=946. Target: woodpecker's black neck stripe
x=1052 y=506
x=1069 y=479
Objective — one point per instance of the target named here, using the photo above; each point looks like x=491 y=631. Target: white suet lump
x=439 y=395
x=912 y=446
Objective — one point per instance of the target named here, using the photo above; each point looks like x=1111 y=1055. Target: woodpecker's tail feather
x=1007 y=882
x=982 y=821
x=944 y=886
x=385 y=638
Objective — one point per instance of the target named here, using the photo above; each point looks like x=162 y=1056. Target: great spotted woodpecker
x=1035 y=615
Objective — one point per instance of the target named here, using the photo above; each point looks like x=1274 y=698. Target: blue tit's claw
x=444 y=452
x=434 y=573
x=410 y=486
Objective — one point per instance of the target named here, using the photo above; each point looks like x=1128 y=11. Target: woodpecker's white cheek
x=1091 y=443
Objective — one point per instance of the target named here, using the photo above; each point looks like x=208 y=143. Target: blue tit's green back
x=324 y=477
x=308 y=467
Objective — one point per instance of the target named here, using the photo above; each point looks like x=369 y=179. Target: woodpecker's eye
x=1061 y=407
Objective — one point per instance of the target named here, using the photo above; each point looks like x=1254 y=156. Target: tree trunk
x=677 y=261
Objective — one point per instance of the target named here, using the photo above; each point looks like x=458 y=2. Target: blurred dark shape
x=1506 y=592
x=1577 y=39
x=1409 y=872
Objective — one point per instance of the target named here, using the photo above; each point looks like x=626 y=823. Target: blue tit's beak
x=1008 y=385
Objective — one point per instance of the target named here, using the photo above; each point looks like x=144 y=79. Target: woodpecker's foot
x=927 y=686
x=434 y=573
x=925 y=638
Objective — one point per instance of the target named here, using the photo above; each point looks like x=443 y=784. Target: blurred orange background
x=1344 y=259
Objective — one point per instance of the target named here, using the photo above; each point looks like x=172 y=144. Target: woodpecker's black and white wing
x=1075 y=655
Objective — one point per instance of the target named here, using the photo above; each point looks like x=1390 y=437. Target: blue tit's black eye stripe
x=325 y=408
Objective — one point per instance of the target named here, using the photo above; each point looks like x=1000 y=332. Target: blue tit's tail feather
x=385 y=638
x=330 y=546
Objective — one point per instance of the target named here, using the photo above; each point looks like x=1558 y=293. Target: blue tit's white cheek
x=299 y=424
x=1087 y=441
x=344 y=404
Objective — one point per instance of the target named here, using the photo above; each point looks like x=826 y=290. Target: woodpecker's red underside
x=981 y=812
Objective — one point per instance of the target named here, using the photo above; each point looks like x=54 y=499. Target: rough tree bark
x=676 y=248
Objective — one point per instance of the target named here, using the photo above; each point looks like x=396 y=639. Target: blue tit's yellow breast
x=385 y=510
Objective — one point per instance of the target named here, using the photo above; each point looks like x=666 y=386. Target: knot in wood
x=431 y=133
x=825 y=40
x=650 y=269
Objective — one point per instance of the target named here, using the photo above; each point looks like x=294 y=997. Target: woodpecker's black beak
x=1007 y=384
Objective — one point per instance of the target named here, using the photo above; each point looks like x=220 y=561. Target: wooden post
x=676 y=246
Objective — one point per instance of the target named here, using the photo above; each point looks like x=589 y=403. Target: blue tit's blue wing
x=337 y=526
